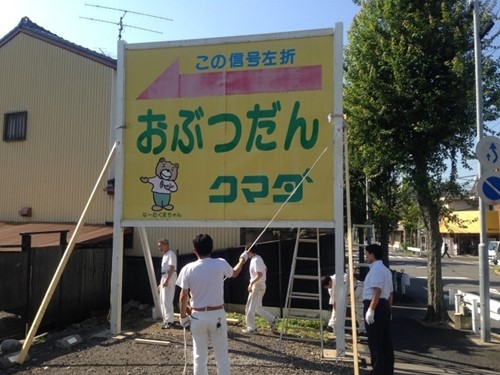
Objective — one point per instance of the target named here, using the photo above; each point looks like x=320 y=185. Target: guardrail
x=469 y=301
x=416 y=250
x=400 y=281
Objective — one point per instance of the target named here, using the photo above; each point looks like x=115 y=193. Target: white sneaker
x=249 y=331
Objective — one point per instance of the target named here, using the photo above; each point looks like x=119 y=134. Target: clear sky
x=189 y=19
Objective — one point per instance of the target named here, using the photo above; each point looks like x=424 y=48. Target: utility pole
x=484 y=276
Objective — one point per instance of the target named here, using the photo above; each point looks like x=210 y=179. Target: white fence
x=471 y=302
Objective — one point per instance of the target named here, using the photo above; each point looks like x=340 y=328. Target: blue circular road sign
x=489 y=188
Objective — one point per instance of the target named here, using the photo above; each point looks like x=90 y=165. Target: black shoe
x=329 y=329
x=167 y=326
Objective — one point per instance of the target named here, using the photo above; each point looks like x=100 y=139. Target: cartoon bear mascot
x=163 y=184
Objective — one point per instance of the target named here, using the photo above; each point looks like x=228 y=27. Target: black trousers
x=380 y=339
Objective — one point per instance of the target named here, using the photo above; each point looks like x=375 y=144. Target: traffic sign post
x=484 y=276
x=488 y=189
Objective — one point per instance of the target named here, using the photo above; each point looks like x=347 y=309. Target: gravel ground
x=99 y=353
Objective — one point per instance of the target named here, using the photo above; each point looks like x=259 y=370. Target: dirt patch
x=144 y=348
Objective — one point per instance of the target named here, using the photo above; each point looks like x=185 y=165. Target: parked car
x=493 y=249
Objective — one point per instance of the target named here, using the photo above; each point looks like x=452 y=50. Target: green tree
x=411 y=218
x=381 y=193
x=409 y=97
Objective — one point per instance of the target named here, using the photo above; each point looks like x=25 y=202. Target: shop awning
x=468 y=223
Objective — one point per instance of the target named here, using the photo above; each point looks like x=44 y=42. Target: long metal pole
x=484 y=276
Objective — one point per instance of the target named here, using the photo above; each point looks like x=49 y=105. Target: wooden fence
x=85 y=284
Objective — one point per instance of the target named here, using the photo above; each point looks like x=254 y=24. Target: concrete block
x=69 y=341
x=156 y=313
x=10 y=346
x=462 y=321
x=11 y=359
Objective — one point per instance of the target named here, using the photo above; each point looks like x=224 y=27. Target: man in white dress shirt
x=377 y=301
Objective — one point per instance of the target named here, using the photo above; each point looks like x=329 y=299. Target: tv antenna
x=120 y=23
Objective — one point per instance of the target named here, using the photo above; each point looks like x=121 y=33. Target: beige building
x=57 y=101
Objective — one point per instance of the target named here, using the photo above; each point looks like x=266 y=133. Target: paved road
x=422 y=348
x=459 y=272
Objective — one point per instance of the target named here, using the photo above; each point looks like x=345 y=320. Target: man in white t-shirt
x=167 y=283
x=203 y=281
x=256 y=290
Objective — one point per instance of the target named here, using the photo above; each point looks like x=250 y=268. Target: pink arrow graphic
x=171 y=84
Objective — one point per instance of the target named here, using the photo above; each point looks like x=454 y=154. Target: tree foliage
x=410 y=101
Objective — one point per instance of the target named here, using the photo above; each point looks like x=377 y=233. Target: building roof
x=10 y=234
x=28 y=27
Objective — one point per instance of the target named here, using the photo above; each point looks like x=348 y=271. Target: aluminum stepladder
x=304 y=287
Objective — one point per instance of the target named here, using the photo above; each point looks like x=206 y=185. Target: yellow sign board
x=230 y=130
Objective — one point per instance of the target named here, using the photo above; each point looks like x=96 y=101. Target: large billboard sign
x=230 y=131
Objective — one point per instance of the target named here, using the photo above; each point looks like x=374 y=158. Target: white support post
x=458 y=302
x=475 y=315
x=117 y=264
x=338 y=198
x=452 y=292
x=149 y=265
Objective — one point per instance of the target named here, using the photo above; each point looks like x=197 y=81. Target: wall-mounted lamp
x=110 y=187
x=25 y=211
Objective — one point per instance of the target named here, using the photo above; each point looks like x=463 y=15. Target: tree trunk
x=436 y=308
